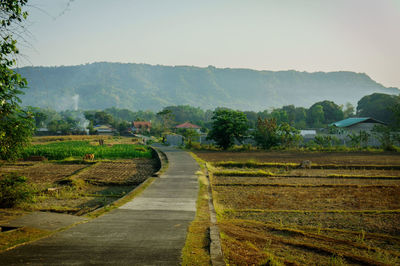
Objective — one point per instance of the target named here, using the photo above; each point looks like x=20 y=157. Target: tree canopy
x=16 y=125
x=228 y=125
x=379 y=106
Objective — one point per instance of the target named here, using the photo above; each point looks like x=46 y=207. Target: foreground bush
x=13 y=190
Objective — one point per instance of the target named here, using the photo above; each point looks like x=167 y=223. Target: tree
x=166 y=117
x=228 y=125
x=379 y=106
x=316 y=115
x=349 y=111
x=189 y=134
x=270 y=134
x=330 y=110
x=265 y=134
x=16 y=125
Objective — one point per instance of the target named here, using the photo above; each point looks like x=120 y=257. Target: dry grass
x=339 y=158
x=121 y=172
x=309 y=198
x=304 y=181
x=62 y=187
x=21 y=235
x=340 y=216
x=196 y=249
x=43 y=172
x=297 y=246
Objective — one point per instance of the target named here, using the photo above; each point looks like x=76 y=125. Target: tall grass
x=62 y=150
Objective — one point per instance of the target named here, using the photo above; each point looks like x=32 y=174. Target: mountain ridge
x=152 y=87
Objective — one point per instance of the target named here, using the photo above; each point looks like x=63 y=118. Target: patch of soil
x=309 y=198
x=304 y=181
x=126 y=172
x=43 y=172
x=341 y=158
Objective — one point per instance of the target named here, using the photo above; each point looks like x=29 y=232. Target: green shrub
x=14 y=189
x=193 y=145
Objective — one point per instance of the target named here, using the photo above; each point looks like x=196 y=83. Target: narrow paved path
x=149 y=230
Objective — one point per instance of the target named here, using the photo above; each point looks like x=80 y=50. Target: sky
x=305 y=35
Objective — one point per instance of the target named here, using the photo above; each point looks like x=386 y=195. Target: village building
x=141 y=127
x=188 y=125
x=357 y=124
x=104 y=130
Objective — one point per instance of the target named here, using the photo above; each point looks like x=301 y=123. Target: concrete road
x=149 y=230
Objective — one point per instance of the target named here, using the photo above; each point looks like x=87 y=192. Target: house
x=141 y=127
x=104 y=130
x=188 y=125
x=357 y=124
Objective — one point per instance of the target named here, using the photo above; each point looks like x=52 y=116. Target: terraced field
x=344 y=209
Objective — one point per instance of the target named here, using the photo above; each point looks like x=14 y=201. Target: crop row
x=62 y=150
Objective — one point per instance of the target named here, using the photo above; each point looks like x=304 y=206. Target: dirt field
x=42 y=172
x=343 y=158
x=77 y=188
x=308 y=216
x=121 y=172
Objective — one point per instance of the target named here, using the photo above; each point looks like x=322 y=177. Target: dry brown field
x=342 y=158
x=307 y=216
x=78 y=188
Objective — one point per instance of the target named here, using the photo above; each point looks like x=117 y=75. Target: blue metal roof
x=355 y=120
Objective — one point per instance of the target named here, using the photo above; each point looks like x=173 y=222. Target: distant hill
x=149 y=87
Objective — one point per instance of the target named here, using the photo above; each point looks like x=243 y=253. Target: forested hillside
x=149 y=87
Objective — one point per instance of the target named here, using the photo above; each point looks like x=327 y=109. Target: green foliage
x=269 y=134
x=228 y=125
x=266 y=133
x=167 y=118
x=62 y=150
x=359 y=140
x=379 y=106
x=15 y=124
x=13 y=190
x=326 y=140
x=325 y=112
x=386 y=137
x=189 y=134
x=15 y=132
x=349 y=111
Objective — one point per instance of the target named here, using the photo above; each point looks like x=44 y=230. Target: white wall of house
x=362 y=127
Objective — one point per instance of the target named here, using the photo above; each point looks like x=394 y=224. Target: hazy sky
x=304 y=35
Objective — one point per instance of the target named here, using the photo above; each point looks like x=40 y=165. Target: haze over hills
x=152 y=87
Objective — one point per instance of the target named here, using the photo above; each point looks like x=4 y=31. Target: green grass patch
x=62 y=150
x=21 y=235
x=196 y=249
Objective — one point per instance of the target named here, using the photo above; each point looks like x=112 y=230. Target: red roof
x=187 y=125
x=138 y=124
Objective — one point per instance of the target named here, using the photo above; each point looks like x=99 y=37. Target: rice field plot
x=62 y=150
x=308 y=216
x=340 y=158
x=305 y=181
x=77 y=187
x=41 y=173
x=119 y=172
